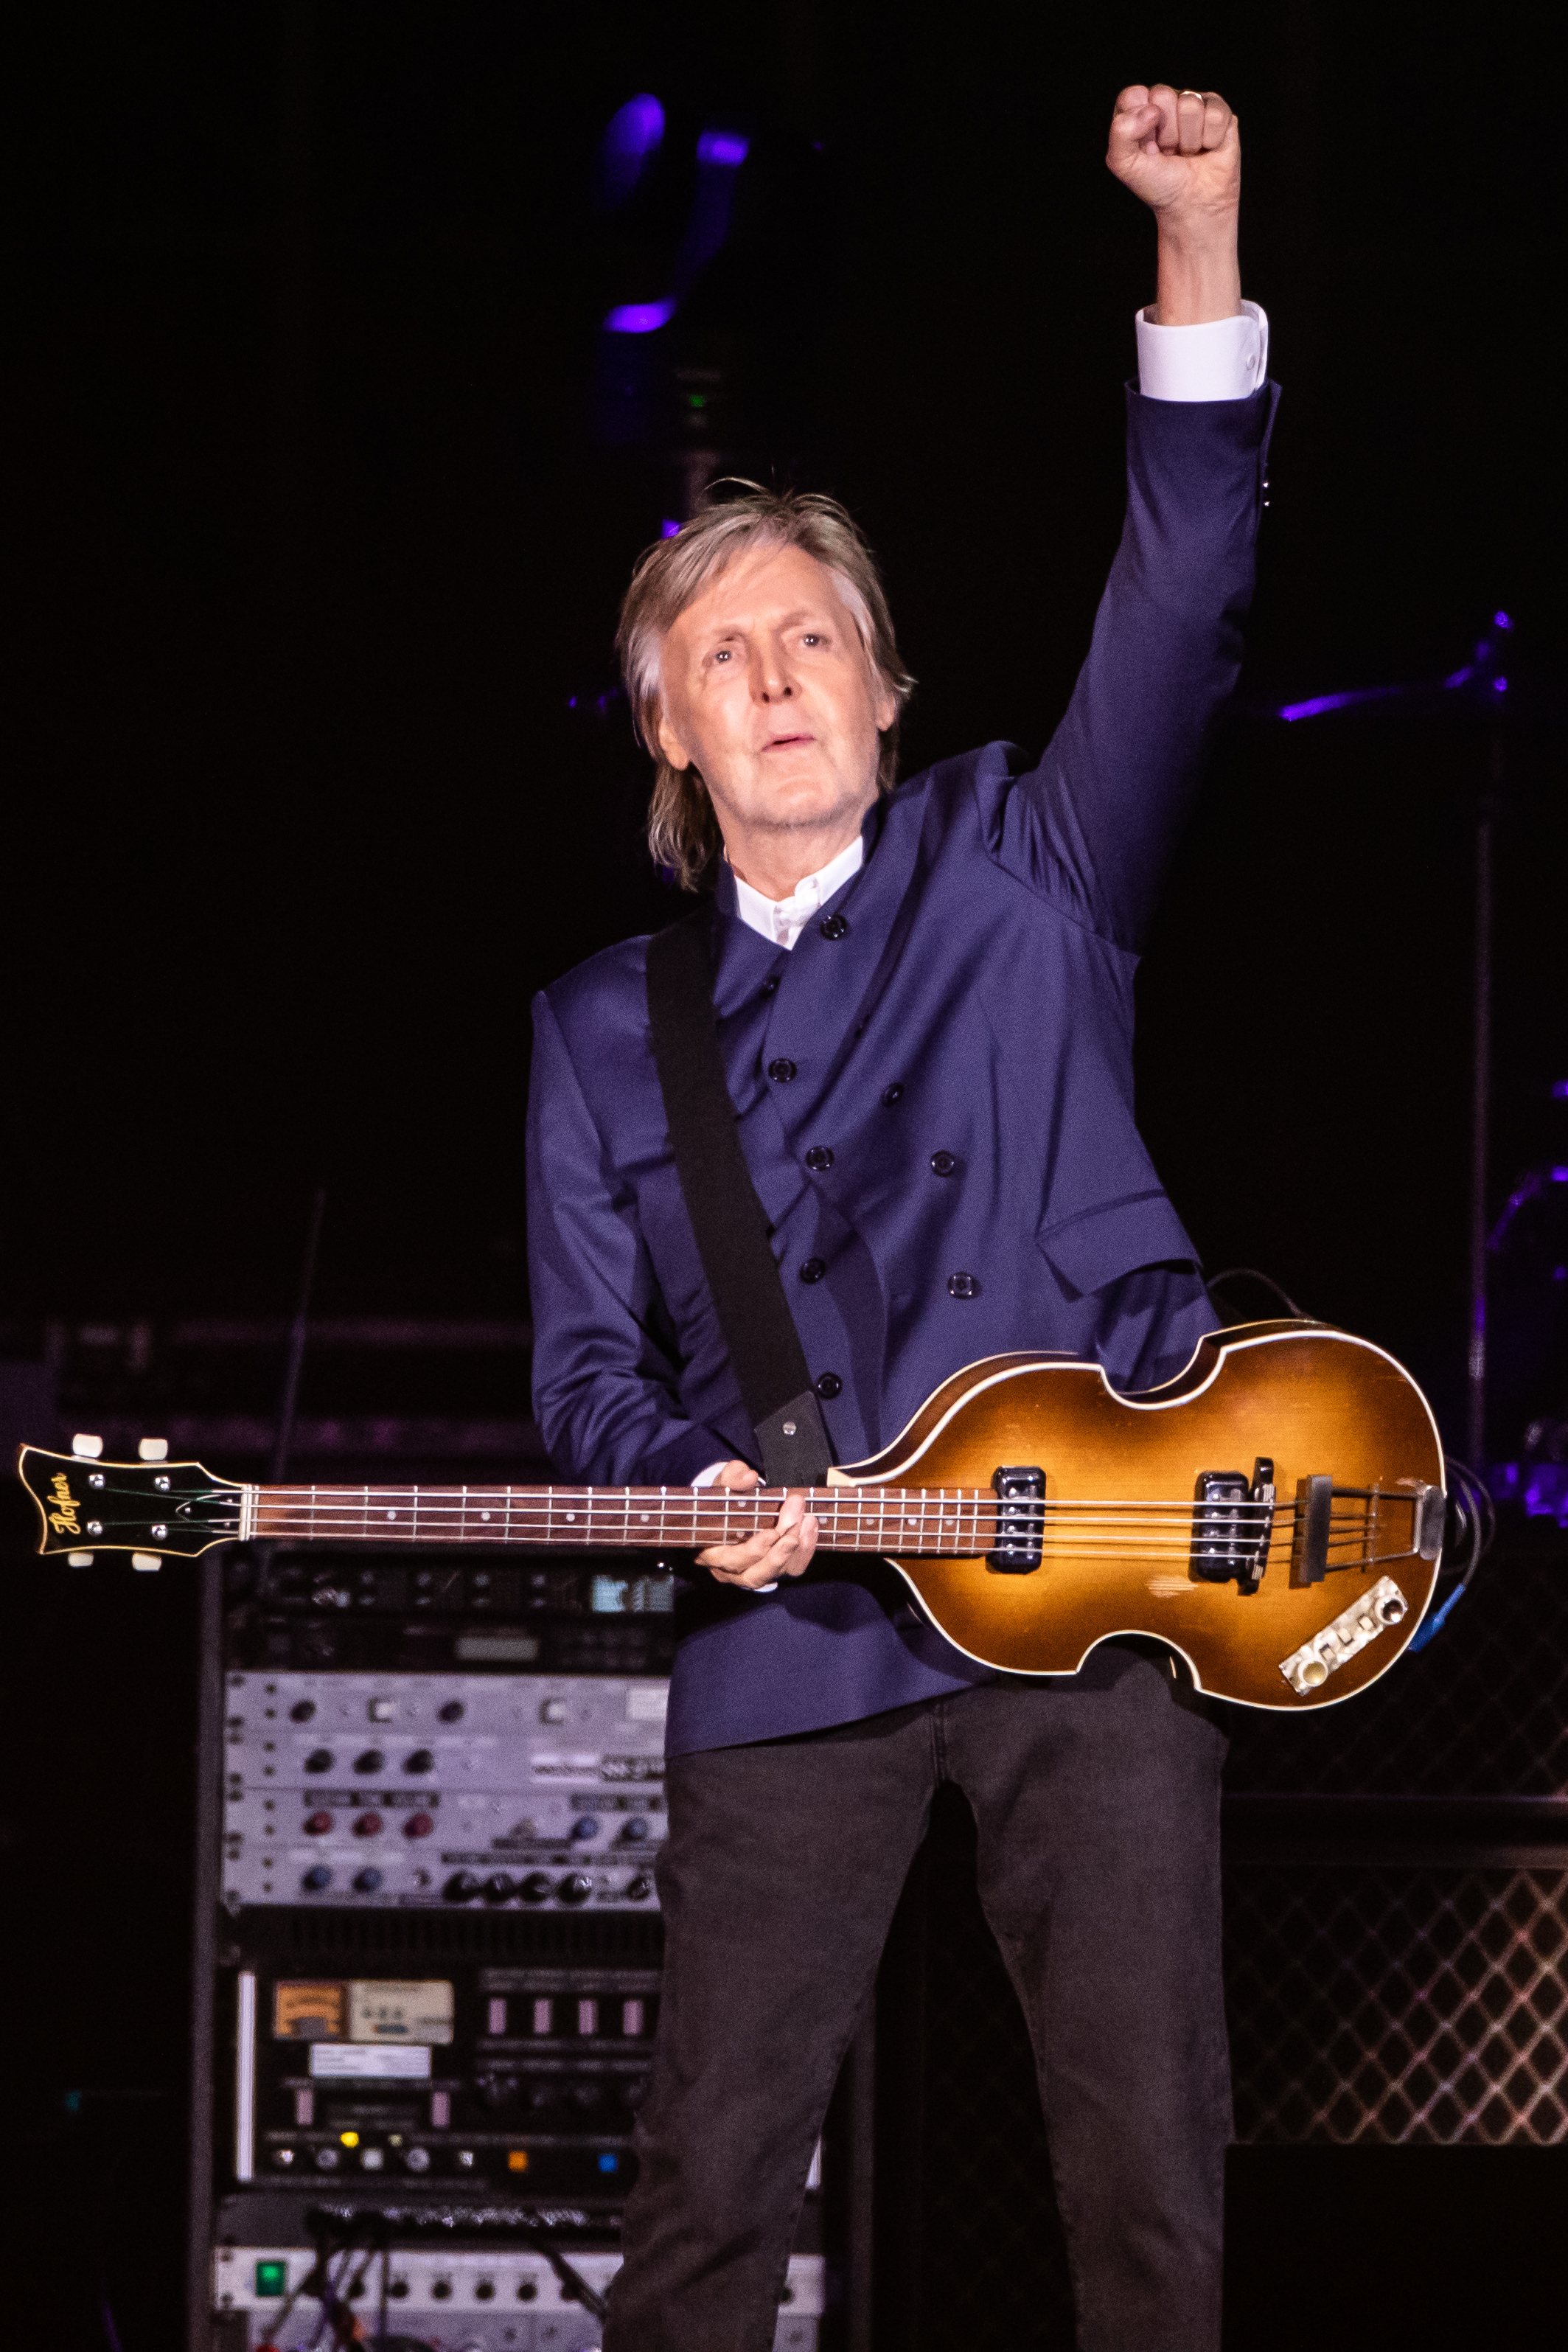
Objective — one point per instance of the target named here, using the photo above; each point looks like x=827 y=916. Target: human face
x=766 y=685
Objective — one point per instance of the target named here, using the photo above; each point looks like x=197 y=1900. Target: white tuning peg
x=78 y=1559
x=89 y=1446
x=153 y=1449
x=145 y=1560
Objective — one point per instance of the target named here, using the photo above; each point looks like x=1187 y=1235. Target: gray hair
x=683 y=830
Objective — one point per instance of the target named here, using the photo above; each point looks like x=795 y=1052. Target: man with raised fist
x=922 y=996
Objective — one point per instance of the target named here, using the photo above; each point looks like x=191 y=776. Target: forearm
x=1093 y=826
x=1199 y=271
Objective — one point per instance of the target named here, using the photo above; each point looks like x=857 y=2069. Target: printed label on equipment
x=310 y=2013
x=360 y=2061
x=400 y=2012
x=647 y=1702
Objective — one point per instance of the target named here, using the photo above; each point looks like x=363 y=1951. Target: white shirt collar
x=782 y=920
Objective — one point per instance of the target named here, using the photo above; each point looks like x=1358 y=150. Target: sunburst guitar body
x=1153 y=1519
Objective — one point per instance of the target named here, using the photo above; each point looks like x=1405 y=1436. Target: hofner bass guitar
x=1275 y=1514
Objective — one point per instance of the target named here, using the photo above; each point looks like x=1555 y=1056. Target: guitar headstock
x=174 y=1508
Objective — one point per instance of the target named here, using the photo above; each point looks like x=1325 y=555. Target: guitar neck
x=961 y=1522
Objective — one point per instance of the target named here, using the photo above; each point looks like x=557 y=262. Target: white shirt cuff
x=1226 y=359
x=706 y=1478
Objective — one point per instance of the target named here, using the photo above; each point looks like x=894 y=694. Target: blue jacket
x=963 y=1050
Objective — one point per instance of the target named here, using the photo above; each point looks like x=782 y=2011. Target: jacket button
x=769 y=984
x=962 y=1286
x=834 y=928
x=893 y=1094
x=827 y=1386
x=813 y=1269
x=943 y=1163
x=783 y=1070
x=818 y=1157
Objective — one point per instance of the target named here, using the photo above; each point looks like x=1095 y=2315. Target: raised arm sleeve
x=605 y=1392
x=1093 y=825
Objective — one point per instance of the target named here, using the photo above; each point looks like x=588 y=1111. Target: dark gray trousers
x=1097 y=1803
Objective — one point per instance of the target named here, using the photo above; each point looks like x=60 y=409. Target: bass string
x=886 y=1537
x=1197 y=1530
x=569 y=1505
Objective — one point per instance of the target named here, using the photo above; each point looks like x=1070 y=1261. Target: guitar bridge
x=1020 y=1521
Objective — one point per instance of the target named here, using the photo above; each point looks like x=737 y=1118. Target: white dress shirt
x=1225 y=360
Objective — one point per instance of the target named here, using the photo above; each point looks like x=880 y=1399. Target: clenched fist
x=1180 y=151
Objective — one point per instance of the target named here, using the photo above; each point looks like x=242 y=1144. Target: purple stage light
x=1559 y=1090
x=726 y=147
x=1500 y=686
x=1501 y=621
x=638 y=126
x=668 y=530
x=1311 y=709
x=1461 y=677
x=640 y=318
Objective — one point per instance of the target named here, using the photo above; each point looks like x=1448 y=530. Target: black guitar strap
x=729 y=1220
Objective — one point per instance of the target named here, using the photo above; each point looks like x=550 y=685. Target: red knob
x=318 y=1824
x=367 y=1825
x=418 y=1825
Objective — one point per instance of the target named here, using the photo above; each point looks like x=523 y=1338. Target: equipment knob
x=577 y=1888
x=370 y=1762
x=484 y=2290
x=452 y=1712
x=317 y=1878
x=366 y=1882
x=318 y=1824
x=320 y=1759
x=534 y=1887
x=585 y=1826
x=500 y=1886
x=461 y=1887
x=638 y=1889
x=302 y=1711
x=418 y=2161
x=418 y=1825
x=422 y=1760
x=635 y=1831
x=367 y=1825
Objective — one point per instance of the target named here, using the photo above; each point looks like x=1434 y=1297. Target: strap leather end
x=794 y=1444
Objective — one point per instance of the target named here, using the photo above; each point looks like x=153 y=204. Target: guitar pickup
x=1232 y=1520
x=1020 y=1521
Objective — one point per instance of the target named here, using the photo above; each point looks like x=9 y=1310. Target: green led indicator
x=696 y=399
x=272 y=2278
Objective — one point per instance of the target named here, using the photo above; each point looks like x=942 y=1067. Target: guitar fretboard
x=961 y=1521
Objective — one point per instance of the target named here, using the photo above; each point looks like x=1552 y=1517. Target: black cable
x=1253 y=1273
x=1474 y=1533
x=576 y=2285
